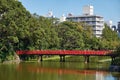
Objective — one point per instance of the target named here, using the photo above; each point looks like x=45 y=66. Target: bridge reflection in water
x=98 y=74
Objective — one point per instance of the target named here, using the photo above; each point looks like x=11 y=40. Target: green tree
x=110 y=38
x=70 y=35
x=13 y=17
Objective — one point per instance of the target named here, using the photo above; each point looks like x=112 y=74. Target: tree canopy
x=20 y=30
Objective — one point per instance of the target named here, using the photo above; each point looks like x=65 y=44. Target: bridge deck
x=64 y=52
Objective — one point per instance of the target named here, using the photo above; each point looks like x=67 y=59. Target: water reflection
x=40 y=69
x=114 y=68
x=57 y=71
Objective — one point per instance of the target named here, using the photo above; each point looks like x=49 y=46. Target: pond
x=55 y=70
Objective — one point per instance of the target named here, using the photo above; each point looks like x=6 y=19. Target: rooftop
x=86 y=16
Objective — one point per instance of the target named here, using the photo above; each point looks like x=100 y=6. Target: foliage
x=20 y=30
x=110 y=39
x=70 y=35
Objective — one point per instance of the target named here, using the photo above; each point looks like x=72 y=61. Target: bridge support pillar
x=40 y=58
x=113 y=60
x=62 y=58
x=86 y=59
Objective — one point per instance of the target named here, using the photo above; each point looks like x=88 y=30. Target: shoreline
x=105 y=60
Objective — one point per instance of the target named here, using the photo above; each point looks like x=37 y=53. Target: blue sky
x=109 y=9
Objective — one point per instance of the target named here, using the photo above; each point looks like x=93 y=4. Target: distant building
x=111 y=26
x=96 y=21
x=50 y=14
x=88 y=10
x=118 y=27
x=70 y=14
x=62 y=18
x=109 y=23
x=114 y=28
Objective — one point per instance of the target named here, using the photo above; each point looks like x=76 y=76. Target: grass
x=54 y=58
x=104 y=60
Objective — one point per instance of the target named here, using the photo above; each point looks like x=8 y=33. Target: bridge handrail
x=64 y=52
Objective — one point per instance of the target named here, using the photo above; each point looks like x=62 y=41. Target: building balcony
x=99 y=19
x=97 y=24
x=97 y=32
x=97 y=28
x=90 y=19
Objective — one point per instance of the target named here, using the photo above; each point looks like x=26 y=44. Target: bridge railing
x=63 y=52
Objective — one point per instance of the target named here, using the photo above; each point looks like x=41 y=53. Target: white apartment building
x=96 y=21
x=62 y=18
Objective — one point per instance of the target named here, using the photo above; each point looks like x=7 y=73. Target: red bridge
x=63 y=53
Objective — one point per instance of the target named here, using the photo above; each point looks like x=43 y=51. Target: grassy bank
x=105 y=60
x=70 y=59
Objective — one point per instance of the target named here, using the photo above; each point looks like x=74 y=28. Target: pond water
x=55 y=70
